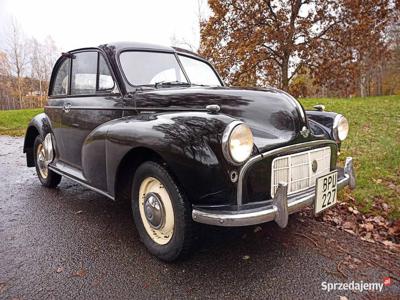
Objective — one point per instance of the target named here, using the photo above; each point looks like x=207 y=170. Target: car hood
x=274 y=116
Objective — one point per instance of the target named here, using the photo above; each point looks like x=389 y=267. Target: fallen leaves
x=349 y=225
x=353 y=210
x=80 y=273
x=369 y=227
x=390 y=244
x=3 y=287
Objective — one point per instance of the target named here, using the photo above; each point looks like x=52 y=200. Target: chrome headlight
x=237 y=142
x=340 y=128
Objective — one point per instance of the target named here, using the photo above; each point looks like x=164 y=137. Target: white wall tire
x=152 y=188
x=166 y=229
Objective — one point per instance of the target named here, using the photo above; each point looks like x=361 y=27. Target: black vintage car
x=156 y=125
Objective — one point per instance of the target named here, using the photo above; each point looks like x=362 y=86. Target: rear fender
x=39 y=125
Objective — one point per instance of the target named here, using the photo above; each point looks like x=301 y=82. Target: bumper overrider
x=279 y=208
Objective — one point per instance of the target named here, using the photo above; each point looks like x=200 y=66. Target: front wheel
x=43 y=156
x=162 y=215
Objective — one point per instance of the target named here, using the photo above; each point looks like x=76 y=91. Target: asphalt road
x=73 y=243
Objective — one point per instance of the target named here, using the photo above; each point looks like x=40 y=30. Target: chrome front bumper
x=277 y=210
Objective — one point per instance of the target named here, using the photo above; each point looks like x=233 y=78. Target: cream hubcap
x=44 y=156
x=156 y=210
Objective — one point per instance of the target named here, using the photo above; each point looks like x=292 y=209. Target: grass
x=14 y=122
x=373 y=142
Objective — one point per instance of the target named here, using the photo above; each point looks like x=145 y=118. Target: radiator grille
x=299 y=168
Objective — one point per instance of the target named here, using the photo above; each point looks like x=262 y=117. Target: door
x=59 y=90
x=94 y=100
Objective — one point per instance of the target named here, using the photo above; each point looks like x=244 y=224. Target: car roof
x=116 y=47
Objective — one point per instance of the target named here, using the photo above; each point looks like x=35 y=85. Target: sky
x=80 y=23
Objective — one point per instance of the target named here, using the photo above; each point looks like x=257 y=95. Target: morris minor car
x=157 y=126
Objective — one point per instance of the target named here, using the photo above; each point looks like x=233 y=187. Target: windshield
x=160 y=69
x=149 y=68
x=199 y=72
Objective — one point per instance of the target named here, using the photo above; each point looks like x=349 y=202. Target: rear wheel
x=161 y=213
x=43 y=156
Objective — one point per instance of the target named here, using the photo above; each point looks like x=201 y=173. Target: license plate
x=325 y=192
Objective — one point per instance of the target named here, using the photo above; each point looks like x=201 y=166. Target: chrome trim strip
x=81 y=182
x=261 y=156
x=278 y=211
x=89 y=108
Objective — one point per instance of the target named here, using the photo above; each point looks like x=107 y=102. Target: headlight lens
x=341 y=128
x=237 y=142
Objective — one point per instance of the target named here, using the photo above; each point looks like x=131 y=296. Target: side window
x=61 y=81
x=106 y=81
x=84 y=71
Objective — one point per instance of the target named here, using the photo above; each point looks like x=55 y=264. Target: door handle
x=67 y=107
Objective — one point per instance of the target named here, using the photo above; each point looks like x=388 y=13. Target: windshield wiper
x=198 y=84
x=171 y=83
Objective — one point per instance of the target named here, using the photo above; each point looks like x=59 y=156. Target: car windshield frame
x=176 y=54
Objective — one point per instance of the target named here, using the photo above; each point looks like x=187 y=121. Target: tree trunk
x=379 y=80
x=363 y=91
x=285 y=74
x=41 y=94
x=19 y=86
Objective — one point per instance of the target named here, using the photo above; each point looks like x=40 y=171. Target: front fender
x=321 y=122
x=189 y=143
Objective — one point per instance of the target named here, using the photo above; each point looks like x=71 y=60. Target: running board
x=77 y=176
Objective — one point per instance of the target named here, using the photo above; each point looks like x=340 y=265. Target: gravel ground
x=70 y=242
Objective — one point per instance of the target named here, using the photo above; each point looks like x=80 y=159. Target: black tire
x=180 y=244
x=52 y=179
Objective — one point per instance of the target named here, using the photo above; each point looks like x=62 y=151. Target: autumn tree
x=351 y=58
x=4 y=79
x=17 y=55
x=4 y=66
x=391 y=67
x=255 y=42
x=42 y=59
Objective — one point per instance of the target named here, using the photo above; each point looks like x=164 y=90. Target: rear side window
x=90 y=75
x=84 y=72
x=61 y=82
